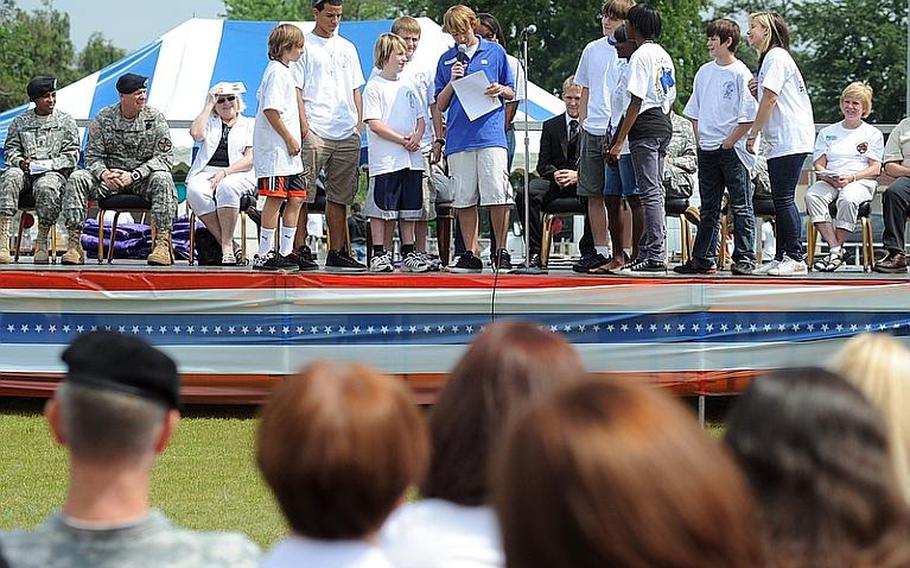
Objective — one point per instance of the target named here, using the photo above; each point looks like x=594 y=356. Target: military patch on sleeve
x=164 y=144
x=93 y=128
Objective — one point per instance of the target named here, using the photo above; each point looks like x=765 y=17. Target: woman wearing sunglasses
x=222 y=172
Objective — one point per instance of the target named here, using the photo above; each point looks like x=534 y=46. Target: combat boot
x=74 y=253
x=5 y=223
x=161 y=250
x=41 y=253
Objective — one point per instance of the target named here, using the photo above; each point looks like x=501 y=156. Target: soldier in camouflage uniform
x=114 y=413
x=682 y=160
x=41 y=149
x=129 y=151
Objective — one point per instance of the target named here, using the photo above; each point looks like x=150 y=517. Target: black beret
x=111 y=361
x=40 y=86
x=130 y=83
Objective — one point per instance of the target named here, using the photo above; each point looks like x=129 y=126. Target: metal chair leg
x=811 y=238
x=546 y=237
x=192 y=251
x=19 y=234
x=110 y=246
x=101 y=235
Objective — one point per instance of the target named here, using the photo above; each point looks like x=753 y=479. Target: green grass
x=207 y=478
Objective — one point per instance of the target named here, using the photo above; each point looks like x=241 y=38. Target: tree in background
x=96 y=54
x=302 y=10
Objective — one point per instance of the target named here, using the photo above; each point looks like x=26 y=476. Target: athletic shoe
x=303 y=263
x=789 y=267
x=304 y=252
x=382 y=262
x=503 y=260
x=432 y=261
x=743 y=268
x=414 y=262
x=275 y=261
x=646 y=266
x=467 y=262
x=589 y=261
x=696 y=266
x=341 y=261
x=765 y=268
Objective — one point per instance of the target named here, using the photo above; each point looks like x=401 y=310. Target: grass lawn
x=207 y=478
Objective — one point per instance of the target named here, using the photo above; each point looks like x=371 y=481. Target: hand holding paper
x=37 y=167
x=471 y=92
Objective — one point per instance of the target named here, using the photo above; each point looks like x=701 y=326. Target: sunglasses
x=226 y=99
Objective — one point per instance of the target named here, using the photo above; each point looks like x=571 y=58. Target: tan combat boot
x=5 y=223
x=74 y=253
x=41 y=254
x=161 y=250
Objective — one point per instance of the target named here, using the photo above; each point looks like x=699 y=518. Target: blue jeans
x=784 y=174
x=620 y=179
x=718 y=169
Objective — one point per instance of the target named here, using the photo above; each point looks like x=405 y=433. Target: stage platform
x=235 y=333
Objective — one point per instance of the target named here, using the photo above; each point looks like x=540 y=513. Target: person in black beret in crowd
x=115 y=412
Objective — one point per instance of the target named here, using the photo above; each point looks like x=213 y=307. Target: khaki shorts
x=340 y=160
x=480 y=175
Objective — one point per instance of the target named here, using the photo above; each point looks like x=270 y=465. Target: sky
x=129 y=25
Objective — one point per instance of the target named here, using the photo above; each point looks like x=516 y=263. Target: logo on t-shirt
x=830 y=138
x=729 y=90
x=665 y=81
x=862 y=147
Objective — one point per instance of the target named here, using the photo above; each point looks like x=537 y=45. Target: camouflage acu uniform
x=152 y=543
x=682 y=159
x=33 y=137
x=141 y=146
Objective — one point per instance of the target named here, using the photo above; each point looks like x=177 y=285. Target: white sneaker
x=414 y=262
x=766 y=267
x=789 y=267
x=382 y=263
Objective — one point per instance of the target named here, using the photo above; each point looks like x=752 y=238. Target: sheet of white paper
x=470 y=90
x=36 y=167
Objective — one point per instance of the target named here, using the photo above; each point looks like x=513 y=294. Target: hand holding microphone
x=461 y=63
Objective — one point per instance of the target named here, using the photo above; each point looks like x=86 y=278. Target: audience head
x=571 y=95
x=133 y=93
x=606 y=473
x=284 y=39
x=857 y=93
x=625 y=47
x=879 y=366
x=643 y=23
x=42 y=91
x=460 y=22
x=816 y=455
x=726 y=31
x=767 y=30
x=408 y=29
x=507 y=366
x=327 y=14
x=387 y=46
x=228 y=99
x=612 y=14
x=339 y=444
x=489 y=29
x=118 y=401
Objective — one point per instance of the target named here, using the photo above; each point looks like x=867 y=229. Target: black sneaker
x=467 y=262
x=589 y=262
x=275 y=261
x=743 y=268
x=303 y=263
x=644 y=266
x=503 y=260
x=341 y=261
x=304 y=252
x=696 y=266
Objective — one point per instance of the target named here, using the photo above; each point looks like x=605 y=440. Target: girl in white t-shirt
x=785 y=118
x=848 y=158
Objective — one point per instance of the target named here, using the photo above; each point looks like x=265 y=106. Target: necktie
x=573 y=130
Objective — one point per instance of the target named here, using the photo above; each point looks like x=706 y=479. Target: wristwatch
x=135 y=175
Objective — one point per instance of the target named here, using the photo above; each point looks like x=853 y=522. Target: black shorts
x=396 y=195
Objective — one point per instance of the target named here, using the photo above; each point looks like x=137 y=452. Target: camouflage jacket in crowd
x=53 y=137
x=682 y=159
x=142 y=144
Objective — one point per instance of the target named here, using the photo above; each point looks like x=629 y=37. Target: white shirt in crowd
x=296 y=551
x=327 y=74
x=619 y=98
x=596 y=64
x=518 y=74
x=396 y=104
x=898 y=147
x=790 y=128
x=652 y=77
x=421 y=80
x=849 y=150
x=438 y=534
x=270 y=153
x=720 y=102
x=239 y=139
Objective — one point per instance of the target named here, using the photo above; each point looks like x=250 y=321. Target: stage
x=234 y=333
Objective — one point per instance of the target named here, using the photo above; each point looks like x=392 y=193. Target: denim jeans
x=718 y=169
x=648 y=156
x=784 y=174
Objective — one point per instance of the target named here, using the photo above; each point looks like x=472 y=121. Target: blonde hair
x=459 y=19
x=879 y=366
x=569 y=83
x=386 y=46
x=405 y=24
x=778 y=34
x=859 y=90
x=617 y=9
x=282 y=38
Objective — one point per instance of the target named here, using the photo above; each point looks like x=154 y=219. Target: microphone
x=530 y=29
x=462 y=56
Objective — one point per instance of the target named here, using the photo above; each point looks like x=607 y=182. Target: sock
x=286 y=246
x=407 y=249
x=266 y=241
x=603 y=250
x=378 y=249
x=836 y=249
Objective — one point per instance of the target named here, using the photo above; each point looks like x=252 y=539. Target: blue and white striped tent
x=185 y=62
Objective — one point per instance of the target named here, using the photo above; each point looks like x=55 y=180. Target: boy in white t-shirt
x=652 y=90
x=722 y=110
x=276 y=151
x=396 y=121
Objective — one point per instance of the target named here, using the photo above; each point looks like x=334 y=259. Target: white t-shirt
x=849 y=150
x=720 y=102
x=438 y=534
x=296 y=551
x=270 y=153
x=327 y=74
x=596 y=64
x=652 y=77
x=421 y=81
x=397 y=105
x=790 y=128
x=620 y=99
x=518 y=74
